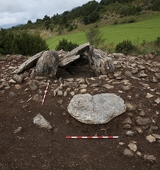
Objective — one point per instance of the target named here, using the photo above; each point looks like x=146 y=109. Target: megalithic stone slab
x=67 y=60
x=100 y=62
x=73 y=55
x=31 y=62
x=47 y=64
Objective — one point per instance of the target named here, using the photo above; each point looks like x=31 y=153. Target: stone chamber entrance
x=79 y=68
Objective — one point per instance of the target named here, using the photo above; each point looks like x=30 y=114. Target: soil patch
x=38 y=149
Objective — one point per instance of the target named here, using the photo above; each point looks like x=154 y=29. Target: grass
x=137 y=32
x=146 y=30
x=78 y=38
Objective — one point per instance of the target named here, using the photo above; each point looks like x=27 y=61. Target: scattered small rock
x=11 y=81
x=156 y=136
x=139 y=130
x=83 y=91
x=127 y=121
x=18 y=130
x=139 y=153
x=153 y=79
x=17 y=78
x=142 y=113
x=157 y=101
x=32 y=85
x=150 y=158
x=107 y=86
x=37 y=98
x=142 y=121
x=41 y=122
x=83 y=86
x=127 y=126
x=128 y=74
x=133 y=147
x=130 y=133
x=72 y=93
x=60 y=93
x=121 y=143
x=126 y=88
x=151 y=138
x=142 y=74
x=130 y=107
x=128 y=152
x=148 y=96
x=12 y=94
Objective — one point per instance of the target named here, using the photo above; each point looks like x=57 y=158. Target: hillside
x=146 y=30
x=133 y=20
x=104 y=13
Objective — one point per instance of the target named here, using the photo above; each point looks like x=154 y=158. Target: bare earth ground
x=34 y=148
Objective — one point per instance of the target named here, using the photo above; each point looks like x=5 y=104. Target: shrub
x=155 y=5
x=125 y=47
x=65 y=45
x=70 y=28
x=21 y=43
x=157 y=42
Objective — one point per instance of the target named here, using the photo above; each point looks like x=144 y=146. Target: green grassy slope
x=78 y=38
x=137 y=32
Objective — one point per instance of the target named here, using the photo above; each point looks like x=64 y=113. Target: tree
x=107 y=2
x=46 y=18
x=93 y=17
x=156 y=5
x=29 y=22
x=94 y=36
x=39 y=21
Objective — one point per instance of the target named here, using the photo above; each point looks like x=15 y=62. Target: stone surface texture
x=97 y=109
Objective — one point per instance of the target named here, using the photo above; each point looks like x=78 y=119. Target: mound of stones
x=135 y=78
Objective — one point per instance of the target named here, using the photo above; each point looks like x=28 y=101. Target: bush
x=157 y=42
x=65 y=45
x=155 y=5
x=21 y=43
x=125 y=47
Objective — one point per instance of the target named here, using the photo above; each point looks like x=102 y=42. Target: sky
x=14 y=12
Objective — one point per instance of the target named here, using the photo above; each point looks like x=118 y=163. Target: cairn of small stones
x=128 y=69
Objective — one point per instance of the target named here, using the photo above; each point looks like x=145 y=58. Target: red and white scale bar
x=92 y=137
x=45 y=92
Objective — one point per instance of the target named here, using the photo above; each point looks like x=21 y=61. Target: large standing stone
x=47 y=64
x=97 y=109
x=100 y=62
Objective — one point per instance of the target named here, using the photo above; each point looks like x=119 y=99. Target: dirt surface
x=36 y=148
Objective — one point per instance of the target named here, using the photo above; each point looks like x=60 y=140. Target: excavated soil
x=36 y=148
